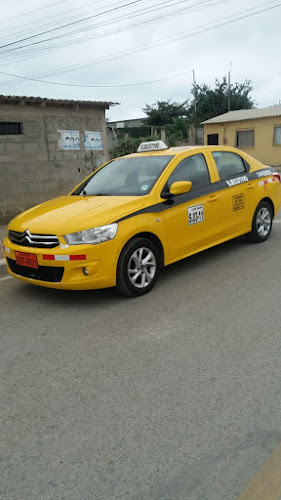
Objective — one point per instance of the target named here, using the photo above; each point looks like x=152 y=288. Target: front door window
x=194 y=169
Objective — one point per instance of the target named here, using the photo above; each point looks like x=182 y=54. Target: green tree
x=164 y=112
x=212 y=102
x=171 y=116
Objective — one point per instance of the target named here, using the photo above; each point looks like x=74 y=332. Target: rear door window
x=228 y=164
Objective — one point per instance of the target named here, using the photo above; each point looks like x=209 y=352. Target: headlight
x=92 y=236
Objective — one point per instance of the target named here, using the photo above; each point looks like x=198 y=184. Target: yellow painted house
x=255 y=131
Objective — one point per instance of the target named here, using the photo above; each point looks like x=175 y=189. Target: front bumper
x=56 y=269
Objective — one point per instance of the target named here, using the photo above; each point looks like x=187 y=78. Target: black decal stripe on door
x=193 y=195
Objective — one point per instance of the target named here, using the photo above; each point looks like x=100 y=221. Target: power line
x=70 y=24
x=32 y=11
x=151 y=8
x=63 y=35
x=122 y=29
x=194 y=6
x=98 y=86
x=173 y=38
x=128 y=16
x=148 y=46
x=15 y=27
x=151 y=20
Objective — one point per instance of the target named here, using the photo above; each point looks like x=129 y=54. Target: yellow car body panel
x=227 y=210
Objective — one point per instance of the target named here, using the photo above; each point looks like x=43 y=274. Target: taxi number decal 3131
x=195 y=214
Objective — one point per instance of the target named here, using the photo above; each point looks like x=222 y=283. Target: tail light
x=277 y=177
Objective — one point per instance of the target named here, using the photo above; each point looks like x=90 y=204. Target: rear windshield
x=134 y=176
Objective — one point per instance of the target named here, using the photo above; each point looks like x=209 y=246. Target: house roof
x=43 y=101
x=131 y=122
x=246 y=114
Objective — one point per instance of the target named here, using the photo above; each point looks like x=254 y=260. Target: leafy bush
x=129 y=145
x=136 y=132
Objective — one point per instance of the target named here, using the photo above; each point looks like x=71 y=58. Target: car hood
x=69 y=214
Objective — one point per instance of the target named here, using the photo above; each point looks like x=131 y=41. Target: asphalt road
x=172 y=396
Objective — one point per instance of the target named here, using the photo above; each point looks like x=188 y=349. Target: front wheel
x=262 y=223
x=138 y=267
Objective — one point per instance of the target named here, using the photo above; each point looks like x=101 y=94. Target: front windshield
x=133 y=176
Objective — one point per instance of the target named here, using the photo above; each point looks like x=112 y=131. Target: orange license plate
x=26 y=259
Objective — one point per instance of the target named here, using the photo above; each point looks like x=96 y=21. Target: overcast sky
x=133 y=41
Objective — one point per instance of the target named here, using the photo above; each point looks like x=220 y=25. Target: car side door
x=192 y=220
x=236 y=192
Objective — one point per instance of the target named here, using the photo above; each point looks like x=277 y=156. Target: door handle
x=214 y=197
x=250 y=185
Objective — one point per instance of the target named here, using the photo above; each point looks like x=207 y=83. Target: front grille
x=43 y=273
x=26 y=239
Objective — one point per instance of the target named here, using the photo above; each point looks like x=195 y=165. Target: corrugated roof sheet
x=246 y=114
x=13 y=99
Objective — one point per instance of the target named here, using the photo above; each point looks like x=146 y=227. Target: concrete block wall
x=33 y=168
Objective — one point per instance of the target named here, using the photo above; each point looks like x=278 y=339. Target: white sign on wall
x=69 y=139
x=93 y=141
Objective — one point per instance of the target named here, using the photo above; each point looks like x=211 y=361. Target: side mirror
x=180 y=187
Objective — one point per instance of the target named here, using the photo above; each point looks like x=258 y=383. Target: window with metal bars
x=245 y=139
x=11 y=128
x=277 y=135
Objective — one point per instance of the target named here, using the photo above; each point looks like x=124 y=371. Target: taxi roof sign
x=152 y=146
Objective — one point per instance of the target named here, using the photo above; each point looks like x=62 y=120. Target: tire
x=262 y=223
x=138 y=267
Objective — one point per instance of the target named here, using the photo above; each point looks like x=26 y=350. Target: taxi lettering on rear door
x=238 y=180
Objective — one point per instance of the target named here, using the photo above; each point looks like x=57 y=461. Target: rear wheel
x=262 y=223
x=138 y=267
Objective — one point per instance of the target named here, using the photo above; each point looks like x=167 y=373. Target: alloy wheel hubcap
x=263 y=221
x=142 y=267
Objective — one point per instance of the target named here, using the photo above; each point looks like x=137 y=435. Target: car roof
x=178 y=150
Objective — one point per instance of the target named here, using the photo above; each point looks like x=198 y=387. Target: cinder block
x=3 y=148
x=52 y=147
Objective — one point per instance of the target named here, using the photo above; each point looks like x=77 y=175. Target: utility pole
x=195 y=106
x=229 y=90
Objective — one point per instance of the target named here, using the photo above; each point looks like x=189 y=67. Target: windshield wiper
x=84 y=193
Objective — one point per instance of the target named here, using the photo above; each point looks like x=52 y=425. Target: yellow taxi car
x=140 y=212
